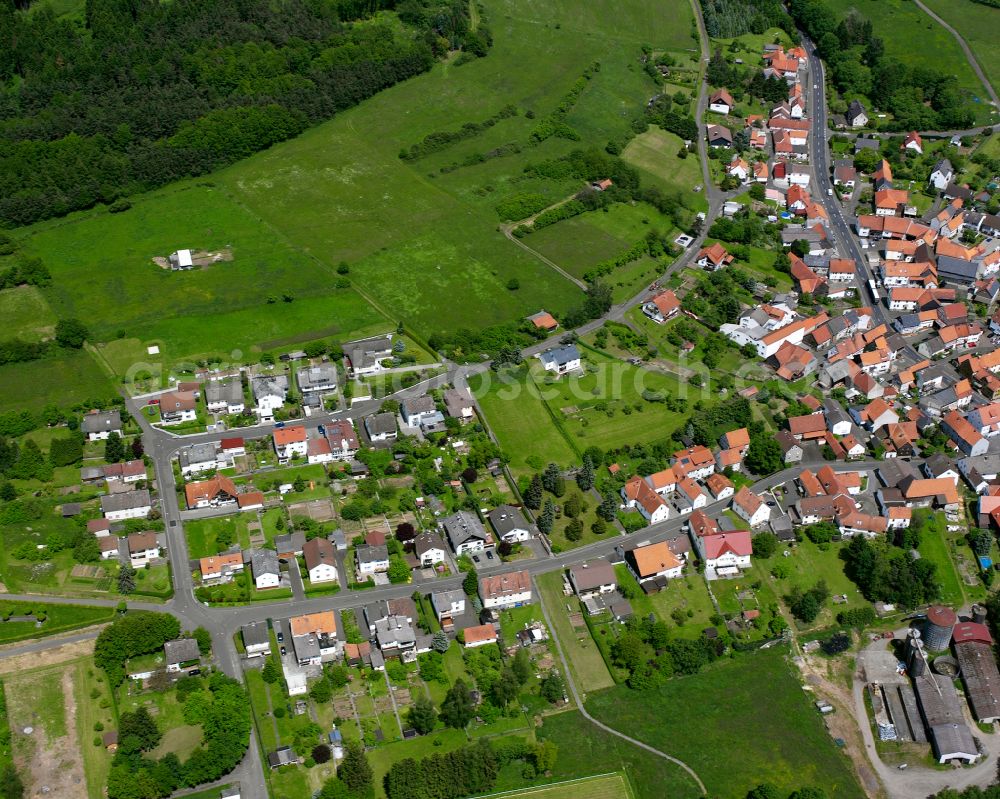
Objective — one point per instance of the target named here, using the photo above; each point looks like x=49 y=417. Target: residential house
x=696 y=462
x=652 y=561
x=381 y=427
x=181 y=654
x=127 y=505
x=429 y=549
x=256 y=639
x=509 y=524
x=178 y=407
x=98 y=425
x=750 y=507
x=459 y=403
x=265 y=569
x=662 y=307
x=856 y=116
x=942 y=174
x=321 y=560
x=480 y=635
x=639 y=495
x=543 y=320
x=448 y=605
x=142 y=548
x=720 y=486
x=372 y=559
x=199 y=458
x=414 y=410
x=725 y=554
x=290 y=442
x=713 y=257
x=366 y=357
x=561 y=360
x=269 y=393
x=719 y=136
x=125 y=472
x=219 y=490
x=318 y=379
x=510 y=589
x=721 y=102
x=220 y=567
x=913 y=142
x=592 y=577
x=966 y=437
x=342 y=439
x=465 y=533
x=225 y=396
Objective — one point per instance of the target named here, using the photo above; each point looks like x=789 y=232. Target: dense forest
x=726 y=19
x=919 y=98
x=138 y=93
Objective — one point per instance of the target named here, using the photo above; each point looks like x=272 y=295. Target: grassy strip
x=58 y=619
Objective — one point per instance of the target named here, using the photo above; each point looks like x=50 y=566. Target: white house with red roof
x=640 y=496
x=750 y=507
x=291 y=442
x=662 y=307
x=696 y=462
x=725 y=554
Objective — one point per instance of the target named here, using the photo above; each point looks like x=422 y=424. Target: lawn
x=589 y=670
x=934 y=547
x=66 y=379
x=202 y=534
x=978 y=25
x=93 y=706
x=655 y=154
x=915 y=39
x=413 y=233
x=59 y=619
x=520 y=420
x=781 y=739
x=538 y=419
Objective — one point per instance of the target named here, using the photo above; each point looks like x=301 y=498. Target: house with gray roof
x=127 y=505
x=98 y=425
x=256 y=639
x=381 y=427
x=561 y=359
x=181 y=655
x=365 y=357
x=225 y=396
x=465 y=532
x=318 y=379
x=265 y=568
x=269 y=393
x=509 y=524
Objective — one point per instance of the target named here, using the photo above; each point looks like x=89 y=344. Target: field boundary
x=576 y=781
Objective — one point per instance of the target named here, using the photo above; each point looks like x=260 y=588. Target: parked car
x=283 y=651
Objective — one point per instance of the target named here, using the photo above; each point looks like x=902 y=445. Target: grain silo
x=937 y=631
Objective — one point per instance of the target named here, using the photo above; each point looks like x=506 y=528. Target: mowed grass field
x=914 y=38
x=25 y=314
x=654 y=154
x=738 y=723
x=103 y=272
x=979 y=25
x=610 y=786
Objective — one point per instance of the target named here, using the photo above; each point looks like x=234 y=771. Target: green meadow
x=978 y=24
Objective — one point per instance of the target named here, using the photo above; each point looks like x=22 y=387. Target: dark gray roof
x=854 y=109
x=368 y=351
x=461 y=527
x=561 y=355
x=380 y=424
x=593 y=574
x=506 y=519
x=957 y=269
x=425 y=542
x=944 y=166
x=423 y=404
x=127 y=500
x=230 y=390
x=264 y=561
x=101 y=422
x=255 y=633
x=371 y=554
x=317 y=378
x=198 y=453
x=181 y=651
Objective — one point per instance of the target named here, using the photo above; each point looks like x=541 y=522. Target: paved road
x=968 y=53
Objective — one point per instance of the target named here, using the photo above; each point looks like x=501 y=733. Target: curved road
x=968 y=53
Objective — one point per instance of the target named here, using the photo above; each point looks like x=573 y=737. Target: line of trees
x=147 y=92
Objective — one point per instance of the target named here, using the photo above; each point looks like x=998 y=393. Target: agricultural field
x=978 y=25
x=914 y=38
x=784 y=741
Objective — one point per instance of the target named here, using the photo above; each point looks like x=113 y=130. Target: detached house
x=662 y=307
x=429 y=549
x=719 y=136
x=381 y=427
x=142 y=548
x=225 y=396
x=321 y=560
x=269 y=392
x=127 y=505
x=365 y=357
x=509 y=524
x=721 y=102
x=750 y=507
x=291 y=442
x=724 y=554
x=713 y=257
x=265 y=569
x=653 y=561
x=465 y=533
x=511 y=589
x=593 y=577
x=639 y=495
x=561 y=360
x=98 y=425
x=372 y=559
